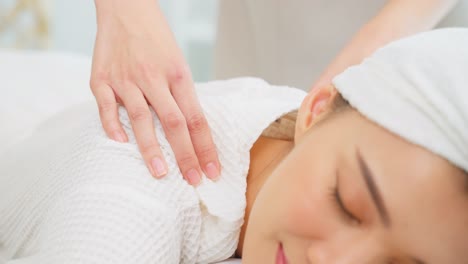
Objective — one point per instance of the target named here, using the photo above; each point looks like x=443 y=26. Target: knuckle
x=94 y=84
x=206 y=152
x=107 y=107
x=98 y=77
x=121 y=79
x=121 y=82
x=173 y=121
x=149 y=147
x=178 y=73
x=139 y=113
x=187 y=160
x=197 y=123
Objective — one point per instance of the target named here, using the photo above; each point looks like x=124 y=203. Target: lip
x=280 y=257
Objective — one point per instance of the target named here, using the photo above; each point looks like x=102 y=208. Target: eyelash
x=338 y=202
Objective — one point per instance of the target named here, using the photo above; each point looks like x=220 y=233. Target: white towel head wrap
x=417 y=88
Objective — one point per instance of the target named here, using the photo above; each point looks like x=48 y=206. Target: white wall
x=73 y=26
x=194 y=25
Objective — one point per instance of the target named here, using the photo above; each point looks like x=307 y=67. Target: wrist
x=131 y=14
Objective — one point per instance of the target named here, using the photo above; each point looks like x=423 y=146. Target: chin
x=257 y=259
x=259 y=252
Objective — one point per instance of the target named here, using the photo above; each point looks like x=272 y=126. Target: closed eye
x=340 y=205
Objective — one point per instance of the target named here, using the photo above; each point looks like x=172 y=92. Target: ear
x=315 y=104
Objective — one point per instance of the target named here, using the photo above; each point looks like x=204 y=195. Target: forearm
x=397 y=19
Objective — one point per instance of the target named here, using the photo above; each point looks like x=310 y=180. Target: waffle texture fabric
x=68 y=194
x=417 y=88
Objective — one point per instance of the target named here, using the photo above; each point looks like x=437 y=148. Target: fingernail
x=118 y=136
x=193 y=177
x=212 y=171
x=158 y=167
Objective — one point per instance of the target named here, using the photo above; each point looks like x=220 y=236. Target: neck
x=265 y=156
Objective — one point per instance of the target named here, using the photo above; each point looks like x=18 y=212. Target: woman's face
x=352 y=192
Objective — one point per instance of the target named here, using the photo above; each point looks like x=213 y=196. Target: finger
x=142 y=124
x=108 y=112
x=200 y=133
x=175 y=128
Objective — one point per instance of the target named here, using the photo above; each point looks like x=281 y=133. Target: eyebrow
x=373 y=190
x=376 y=196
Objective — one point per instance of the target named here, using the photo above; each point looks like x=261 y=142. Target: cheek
x=306 y=210
x=296 y=200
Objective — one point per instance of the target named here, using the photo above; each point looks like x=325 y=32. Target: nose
x=365 y=251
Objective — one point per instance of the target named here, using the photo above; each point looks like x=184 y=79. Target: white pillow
x=35 y=85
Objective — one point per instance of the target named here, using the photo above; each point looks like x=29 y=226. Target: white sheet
x=36 y=85
x=231 y=261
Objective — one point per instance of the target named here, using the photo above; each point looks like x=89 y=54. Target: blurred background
x=70 y=26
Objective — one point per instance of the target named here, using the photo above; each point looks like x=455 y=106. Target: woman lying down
x=374 y=172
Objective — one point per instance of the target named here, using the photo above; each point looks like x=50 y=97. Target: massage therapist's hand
x=137 y=63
